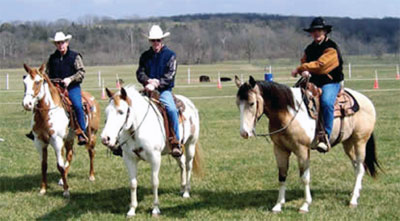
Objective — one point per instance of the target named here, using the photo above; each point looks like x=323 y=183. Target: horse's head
x=33 y=83
x=251 y=105
x=117 y=117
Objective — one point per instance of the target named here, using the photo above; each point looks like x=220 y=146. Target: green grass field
x=241 y=179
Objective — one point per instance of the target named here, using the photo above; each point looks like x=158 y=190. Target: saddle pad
x=345 y=104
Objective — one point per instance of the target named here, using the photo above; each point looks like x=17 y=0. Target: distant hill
x=197 y=38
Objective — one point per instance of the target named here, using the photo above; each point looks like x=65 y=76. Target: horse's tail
x=198 y=161
x=371 y=163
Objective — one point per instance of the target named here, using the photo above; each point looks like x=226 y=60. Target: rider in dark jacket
x=322 y=59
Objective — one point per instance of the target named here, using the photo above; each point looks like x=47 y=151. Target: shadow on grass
x=26 y=182
x=116 y=201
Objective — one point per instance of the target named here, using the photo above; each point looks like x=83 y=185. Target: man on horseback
x=322 y=59
x=156 y=71
x=66 y=67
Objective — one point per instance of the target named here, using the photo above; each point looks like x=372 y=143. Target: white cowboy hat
x=157 y=33
x=60 y=36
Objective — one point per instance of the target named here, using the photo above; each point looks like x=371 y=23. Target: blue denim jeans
x=74 y=93
x=328 y=98
x=167 y=99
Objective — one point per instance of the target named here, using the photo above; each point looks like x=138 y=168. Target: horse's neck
x=50 y=100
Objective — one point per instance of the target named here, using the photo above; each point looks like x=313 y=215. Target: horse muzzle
x=245 y=134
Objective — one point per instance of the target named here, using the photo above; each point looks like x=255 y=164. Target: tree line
x=200 y=38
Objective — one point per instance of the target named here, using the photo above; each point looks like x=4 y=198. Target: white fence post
x=99 y=77
x=188 y=79
x=7 y=83
x=349 y=70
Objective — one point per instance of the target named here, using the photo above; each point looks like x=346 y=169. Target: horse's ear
x=41 y=69
x=109 y=93
x=238 y=82
x=27 y=68
x=123 y=94
x=252 y=81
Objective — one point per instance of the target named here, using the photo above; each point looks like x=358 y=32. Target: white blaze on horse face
x=248 y=112
x=115 y=120
x=30 y=98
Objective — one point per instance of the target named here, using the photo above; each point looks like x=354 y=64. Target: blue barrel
x=268 y=77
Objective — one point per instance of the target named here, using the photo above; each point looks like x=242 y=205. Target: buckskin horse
x=292 y=130
x=134 y=123
x=50 y=124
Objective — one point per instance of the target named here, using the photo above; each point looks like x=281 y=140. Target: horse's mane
x=53 y=90
x=279 y=95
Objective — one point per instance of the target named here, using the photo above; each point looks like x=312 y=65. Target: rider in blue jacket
x=156 y=71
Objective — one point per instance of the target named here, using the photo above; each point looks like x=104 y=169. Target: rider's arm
x=326 y=63
x=80 y=70
x=169 y=76
x=141 y=72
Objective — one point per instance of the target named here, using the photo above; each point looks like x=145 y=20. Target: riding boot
x=323 y=145
x=176 y=150
x=30 y=135
x=82 y=138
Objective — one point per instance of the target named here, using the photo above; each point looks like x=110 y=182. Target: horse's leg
x=303 y=158
x=92 y=152
x=42 y=150
x=282 y=159
x=131 y=166
x=181 y=163
x=190 y=152
x=356 y=153
x=68 y=155
x=155 y=168
x=58 y=144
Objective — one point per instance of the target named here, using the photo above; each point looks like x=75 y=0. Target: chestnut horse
x=50 y=124
x=135 y=123
x=293 y=131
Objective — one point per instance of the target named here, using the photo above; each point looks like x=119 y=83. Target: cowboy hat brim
x=67 y=38
x=327 y=28
x=166 y=34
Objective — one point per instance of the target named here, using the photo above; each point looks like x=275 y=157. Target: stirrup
x=323 y=145
x=82 y=139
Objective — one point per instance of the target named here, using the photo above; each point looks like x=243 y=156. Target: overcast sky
x=51 y=10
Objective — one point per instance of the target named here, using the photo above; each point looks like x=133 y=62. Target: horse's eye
x=120 y=112
x=251 y=104
x=23 y=77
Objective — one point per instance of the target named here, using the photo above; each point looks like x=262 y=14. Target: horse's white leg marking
x=57 y=144
x=281 y=198
x=155 y=168
x=282 y=159
x=307 y=193
x=359 y=172
x=131 y=165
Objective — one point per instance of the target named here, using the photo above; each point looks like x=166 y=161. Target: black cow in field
x=204 y=78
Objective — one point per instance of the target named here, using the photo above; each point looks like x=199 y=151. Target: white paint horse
x=50 y=125
x=136 y=124
x=293 y=131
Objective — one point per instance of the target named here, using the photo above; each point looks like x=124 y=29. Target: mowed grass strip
x=241 y=178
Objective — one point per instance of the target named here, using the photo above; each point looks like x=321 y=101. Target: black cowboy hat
x=318 y=23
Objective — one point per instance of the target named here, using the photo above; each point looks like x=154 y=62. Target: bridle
x=256 y=119
x=34 y=97
x=132 y=130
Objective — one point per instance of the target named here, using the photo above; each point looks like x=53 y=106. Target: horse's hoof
x=303 y=211
x=131 y=213
x=186 y=195
x=66 y=194
x=353 y=206
x=155 y=215
x=156 y=212
x=42 y=192
x=277 y=209
x=92 y=178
